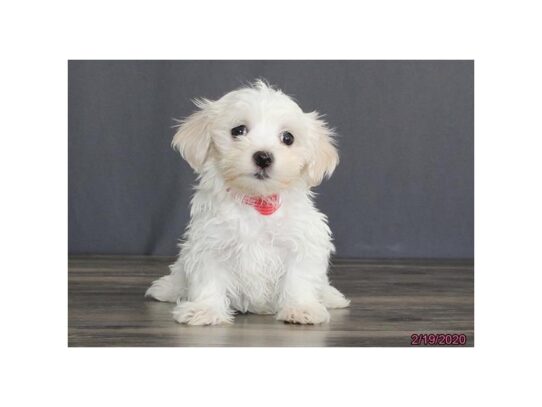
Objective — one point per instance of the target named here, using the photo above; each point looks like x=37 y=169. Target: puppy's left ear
x=193 y=138
x=325 y=156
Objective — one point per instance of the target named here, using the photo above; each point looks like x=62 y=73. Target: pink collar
x=266 y=205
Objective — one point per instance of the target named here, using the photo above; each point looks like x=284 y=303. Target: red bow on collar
x=266 y=205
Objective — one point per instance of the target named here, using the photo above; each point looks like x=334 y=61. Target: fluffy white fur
x=232 y=257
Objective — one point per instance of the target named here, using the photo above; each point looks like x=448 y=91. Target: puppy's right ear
x=193 y=138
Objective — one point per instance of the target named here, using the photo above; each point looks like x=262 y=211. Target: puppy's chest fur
x=259 y=248
x=253 y=249
x=256 y=273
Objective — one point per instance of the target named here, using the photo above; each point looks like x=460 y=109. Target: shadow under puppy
x=255 y=242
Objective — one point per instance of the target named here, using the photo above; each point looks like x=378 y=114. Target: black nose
x=263 y=159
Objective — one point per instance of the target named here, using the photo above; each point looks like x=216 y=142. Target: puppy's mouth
x=261 y=175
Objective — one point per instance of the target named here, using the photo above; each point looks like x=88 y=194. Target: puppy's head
x=259 y=139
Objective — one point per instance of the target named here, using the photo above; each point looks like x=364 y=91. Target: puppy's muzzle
x=263 y=159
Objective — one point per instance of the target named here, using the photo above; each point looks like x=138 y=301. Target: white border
x=38 y=38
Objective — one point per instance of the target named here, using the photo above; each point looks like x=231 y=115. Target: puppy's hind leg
x=171 y=287
x=333 y=298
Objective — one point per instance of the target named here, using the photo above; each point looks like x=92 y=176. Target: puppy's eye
x=239 y=131
x=287 y=138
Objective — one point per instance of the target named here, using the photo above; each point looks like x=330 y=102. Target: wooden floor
x=391 y=300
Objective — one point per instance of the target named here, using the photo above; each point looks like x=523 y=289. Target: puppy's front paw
x=304 y=314
x=199 y=313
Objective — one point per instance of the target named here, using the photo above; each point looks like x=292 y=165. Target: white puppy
x=255 y=242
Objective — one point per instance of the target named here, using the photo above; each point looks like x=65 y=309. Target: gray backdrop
x=404 y=187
